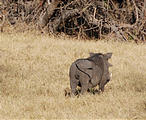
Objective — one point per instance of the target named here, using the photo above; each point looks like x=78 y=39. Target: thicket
x=124 y=19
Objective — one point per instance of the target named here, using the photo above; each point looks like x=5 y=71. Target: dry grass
x=34 y=73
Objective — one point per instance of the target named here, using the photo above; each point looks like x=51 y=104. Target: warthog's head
x=102 y=61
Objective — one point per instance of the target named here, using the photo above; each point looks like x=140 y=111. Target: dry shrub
x=124 y=19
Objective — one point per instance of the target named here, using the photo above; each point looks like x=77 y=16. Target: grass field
x=34 y=73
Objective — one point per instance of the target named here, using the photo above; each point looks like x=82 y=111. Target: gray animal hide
x=89 y=72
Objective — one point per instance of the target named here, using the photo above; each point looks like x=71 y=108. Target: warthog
x=89 y=72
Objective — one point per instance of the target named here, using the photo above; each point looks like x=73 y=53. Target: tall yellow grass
x=34 y=73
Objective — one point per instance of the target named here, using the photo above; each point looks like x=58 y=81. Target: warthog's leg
x=73 y=85
x=84 y=82
x=73 y=80
x=84 y=88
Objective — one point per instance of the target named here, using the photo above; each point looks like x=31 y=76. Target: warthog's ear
x=91 y=54
x=108 y=55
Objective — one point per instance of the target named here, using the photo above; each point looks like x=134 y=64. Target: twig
x=136 y=12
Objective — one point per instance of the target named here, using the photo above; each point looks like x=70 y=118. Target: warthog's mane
x=96 y=58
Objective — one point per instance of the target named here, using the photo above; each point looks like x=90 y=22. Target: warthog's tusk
x=49 y=2
x=110 y=75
